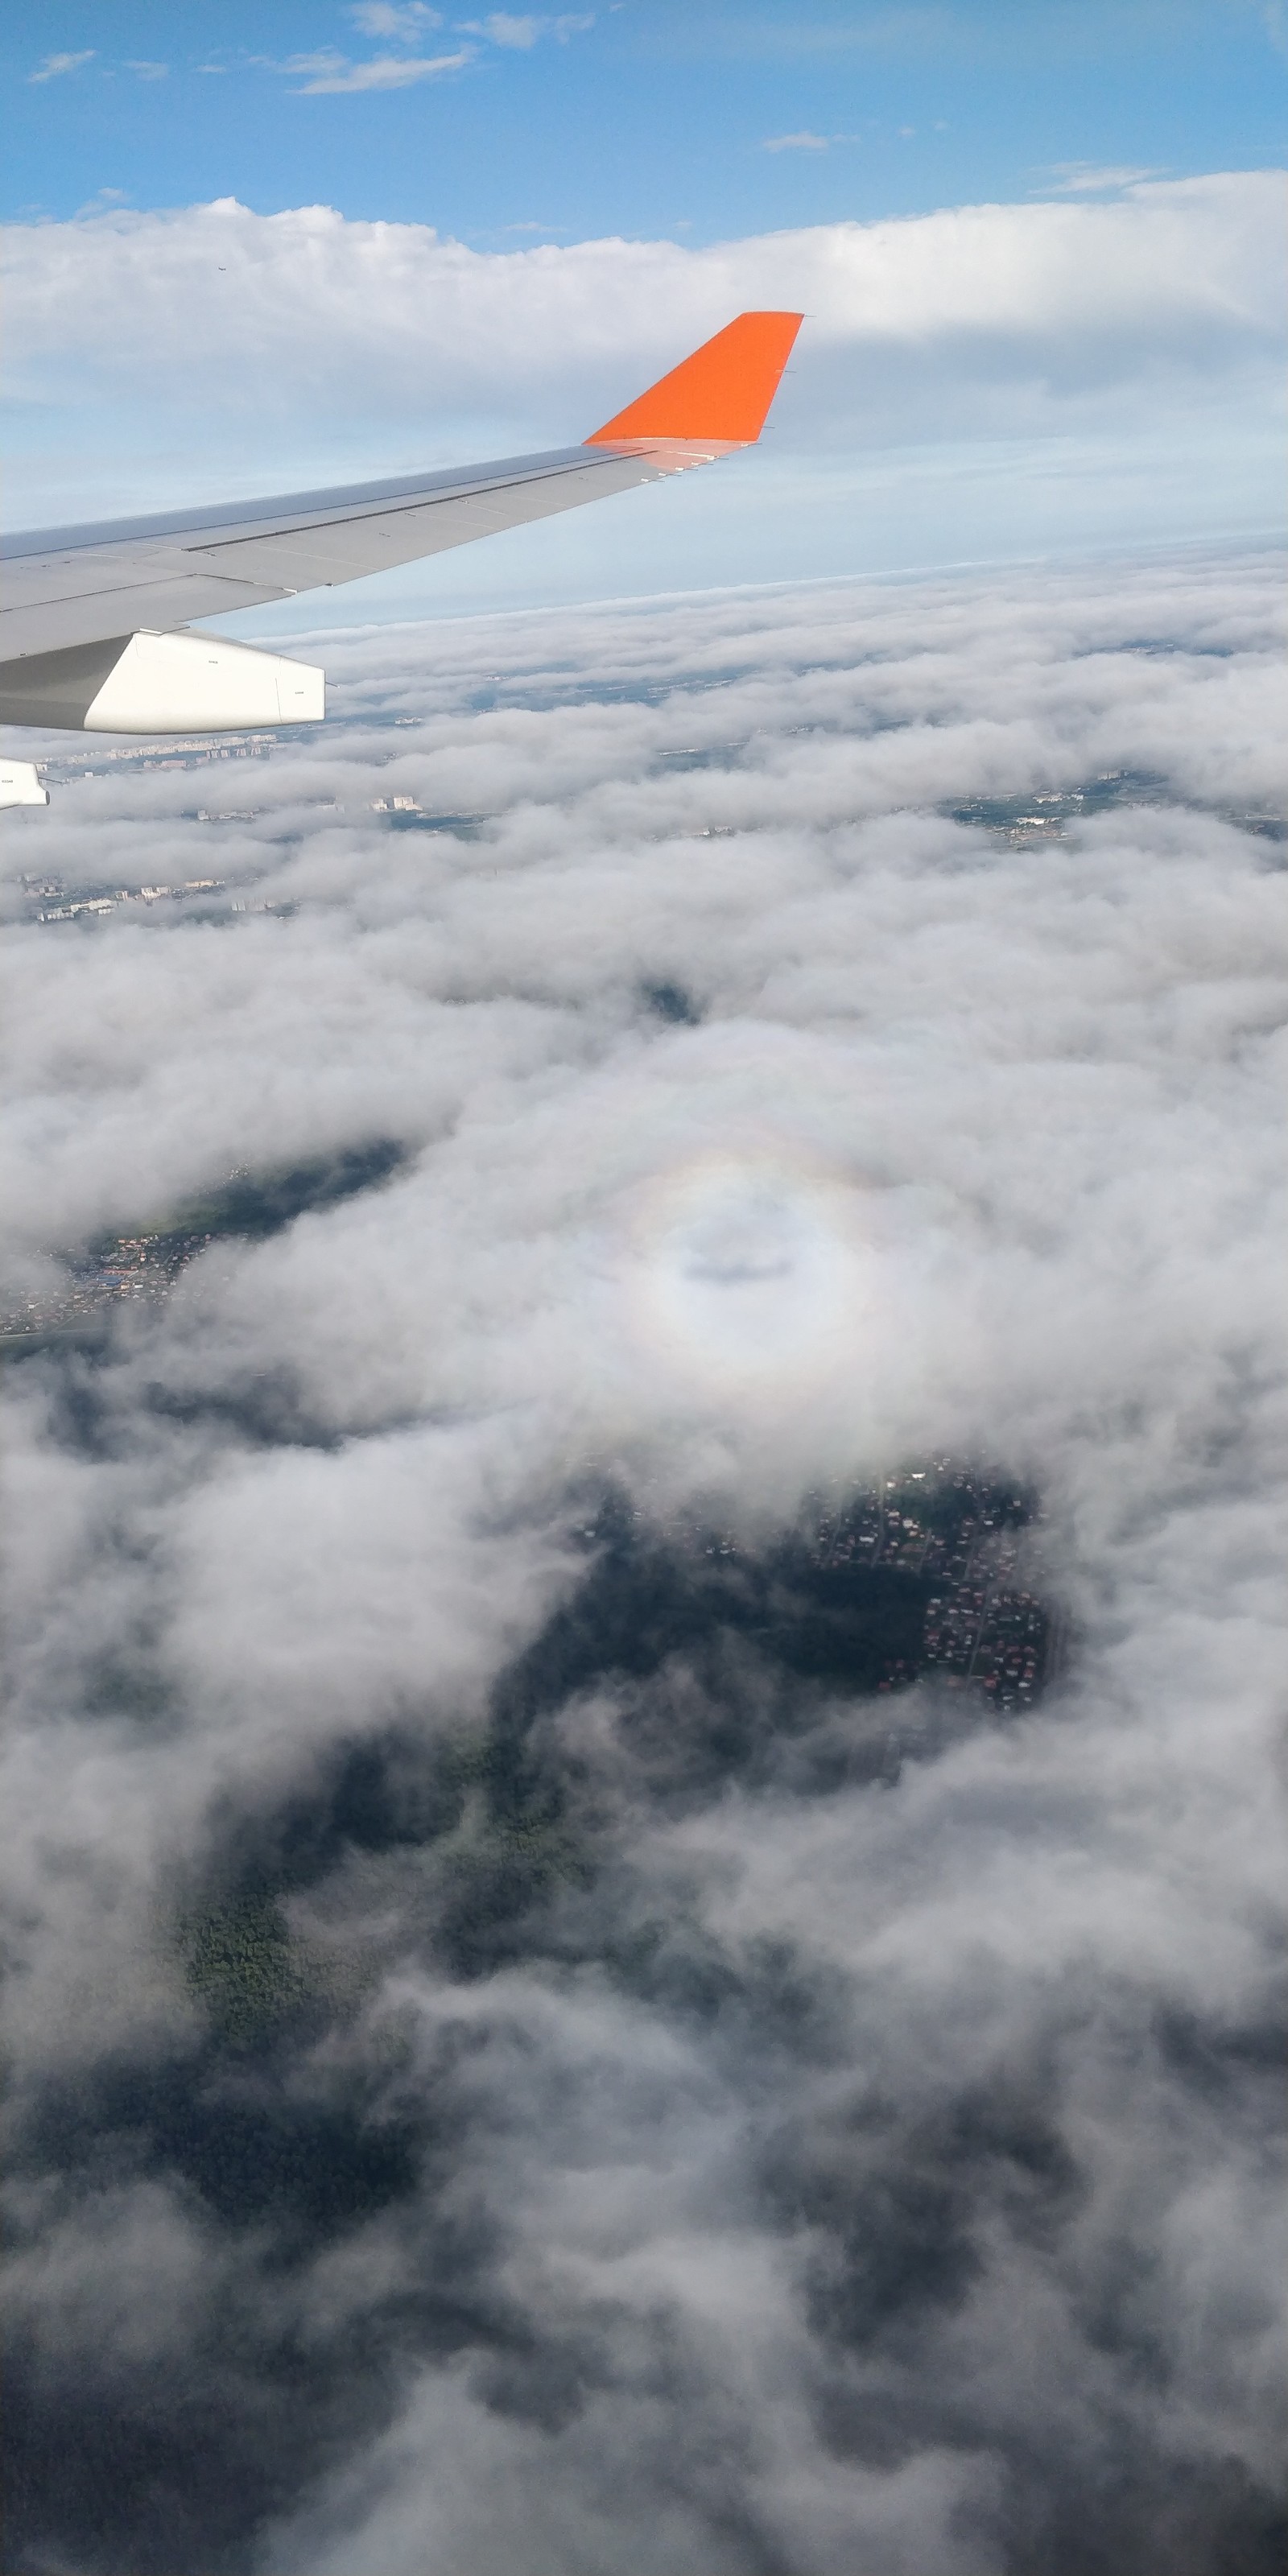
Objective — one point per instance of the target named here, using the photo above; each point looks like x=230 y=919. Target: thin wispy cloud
x=520 y=34
x=1276 y=24
x=331 y=75
x=797 y=143
x=405 y=25
x=1091 y=178
x=149 y=71
x=54 y=65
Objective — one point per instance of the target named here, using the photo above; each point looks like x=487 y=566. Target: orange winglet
x=723 y=392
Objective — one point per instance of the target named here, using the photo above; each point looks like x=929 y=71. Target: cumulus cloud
x=507 y=2064
x=1181 y=270
x=1087 y=370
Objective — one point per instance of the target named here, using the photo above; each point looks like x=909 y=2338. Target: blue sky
x=643 y=116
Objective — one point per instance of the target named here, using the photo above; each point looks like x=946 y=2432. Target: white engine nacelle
x=19 y=784
x=203 y=684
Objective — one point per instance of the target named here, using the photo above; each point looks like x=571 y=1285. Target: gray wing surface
x=69 y=586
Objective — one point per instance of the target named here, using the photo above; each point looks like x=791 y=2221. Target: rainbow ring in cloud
x=751 y=1271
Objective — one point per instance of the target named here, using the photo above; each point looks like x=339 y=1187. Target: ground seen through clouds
x=573 y=2004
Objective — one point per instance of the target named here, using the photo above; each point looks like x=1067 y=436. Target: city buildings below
x=141 y=1266
x=972 y=1543
x=934 y=1575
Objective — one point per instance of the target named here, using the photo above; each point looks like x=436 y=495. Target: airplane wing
x=93 y=619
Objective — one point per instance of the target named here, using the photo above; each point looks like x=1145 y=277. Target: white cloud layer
x=814 y=2171
x=1104 y=370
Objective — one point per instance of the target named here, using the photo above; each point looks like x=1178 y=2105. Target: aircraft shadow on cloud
x=94 y=621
